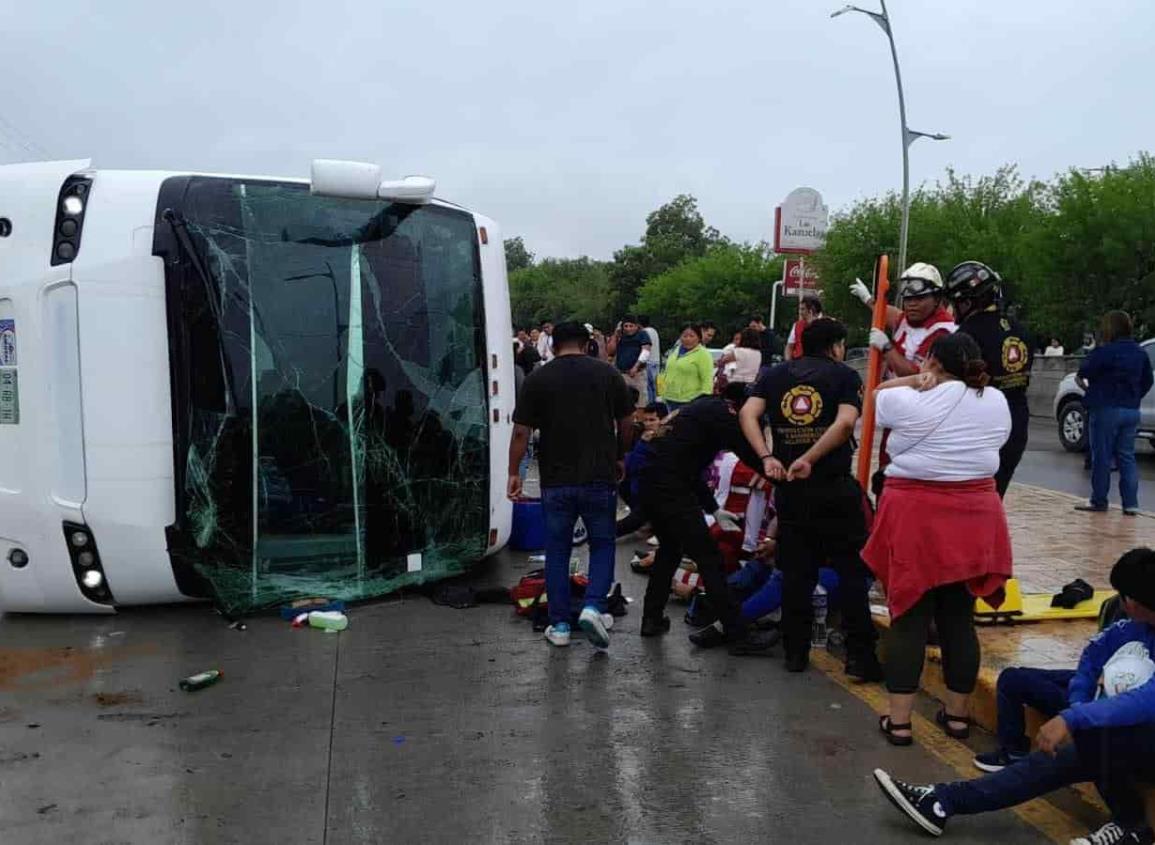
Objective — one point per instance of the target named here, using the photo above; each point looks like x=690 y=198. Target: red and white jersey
x=740 y=490
x=914 y=342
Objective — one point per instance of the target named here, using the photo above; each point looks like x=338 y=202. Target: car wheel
x=1073 y=426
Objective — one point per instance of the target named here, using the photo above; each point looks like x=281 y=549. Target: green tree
x=961 y=218
x=1093 y=251
x=517 y=256
x=726 y=285
x=561 y=289
x=674 y=233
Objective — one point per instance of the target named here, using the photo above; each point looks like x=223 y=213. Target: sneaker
x=1113 y=834
x=918 y=802
x=558 y=634
x=595 y=627
x=709 y=637
x=1089 y=508
x=655 y=627
x=996 y=761
x=1130 y=511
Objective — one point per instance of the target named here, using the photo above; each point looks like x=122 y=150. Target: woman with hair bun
x=940 y=537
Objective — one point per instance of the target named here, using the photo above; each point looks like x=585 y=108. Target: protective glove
x=880 y=340
x=727 y=521
x=861 y=291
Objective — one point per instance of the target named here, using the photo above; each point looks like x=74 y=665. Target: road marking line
x=1044 y=816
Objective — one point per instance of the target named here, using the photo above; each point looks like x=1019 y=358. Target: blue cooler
x=528 y=532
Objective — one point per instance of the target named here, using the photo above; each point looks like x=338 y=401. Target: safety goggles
x=913 y=286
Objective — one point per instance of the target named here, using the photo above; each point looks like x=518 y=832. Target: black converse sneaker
x=918 y=802
x=1113 y=834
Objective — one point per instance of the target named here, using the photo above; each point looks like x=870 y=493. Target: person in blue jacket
x=1116 y=376
x=1103 y=733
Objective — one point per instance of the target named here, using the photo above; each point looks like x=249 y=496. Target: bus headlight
x=86 y=565
x=72 y=206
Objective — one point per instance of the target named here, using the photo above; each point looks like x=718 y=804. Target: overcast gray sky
x=569 y=122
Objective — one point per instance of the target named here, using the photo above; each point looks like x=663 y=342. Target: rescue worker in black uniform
x=676 y=499
x=975 y=291
x=812 y=404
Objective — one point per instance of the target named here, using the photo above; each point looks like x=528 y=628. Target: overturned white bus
x=245 y=388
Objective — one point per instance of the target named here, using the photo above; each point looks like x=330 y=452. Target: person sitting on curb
x=1107 y=738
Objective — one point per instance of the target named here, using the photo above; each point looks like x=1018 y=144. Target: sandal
x=944 y=719
x=888 y=728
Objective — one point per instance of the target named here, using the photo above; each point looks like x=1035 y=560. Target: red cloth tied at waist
x=931 y=533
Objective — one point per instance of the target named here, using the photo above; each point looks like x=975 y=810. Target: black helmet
x=971 y=280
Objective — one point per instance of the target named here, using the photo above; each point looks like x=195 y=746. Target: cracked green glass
x=337 y=433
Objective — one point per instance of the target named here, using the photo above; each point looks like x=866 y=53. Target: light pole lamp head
x=879 y=18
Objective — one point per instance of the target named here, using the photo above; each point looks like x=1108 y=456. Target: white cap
x=589 y=328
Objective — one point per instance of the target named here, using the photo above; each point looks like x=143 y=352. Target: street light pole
x=908 y=135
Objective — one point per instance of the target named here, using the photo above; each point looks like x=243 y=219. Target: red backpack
x=529 y=593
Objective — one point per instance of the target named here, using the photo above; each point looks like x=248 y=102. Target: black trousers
x=951 y=607
x=821 y=523
x=1012 y=451
x=677 y=519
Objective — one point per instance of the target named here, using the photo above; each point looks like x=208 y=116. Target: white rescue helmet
x=920 y=279
x=1129 y=668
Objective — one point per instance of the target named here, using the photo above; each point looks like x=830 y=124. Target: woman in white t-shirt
x=745 y=359
x=940 y=537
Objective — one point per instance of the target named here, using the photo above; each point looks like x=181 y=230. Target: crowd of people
x=795 y=532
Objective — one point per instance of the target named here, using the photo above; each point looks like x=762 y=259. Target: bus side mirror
x=361 y=180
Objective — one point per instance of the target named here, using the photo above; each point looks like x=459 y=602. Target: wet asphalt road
x=1046 y=464
x=424 y=724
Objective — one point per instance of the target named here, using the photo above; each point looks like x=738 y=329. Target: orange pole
x=873 y=374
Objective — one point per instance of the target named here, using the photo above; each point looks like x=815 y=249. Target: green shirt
x=688 y=376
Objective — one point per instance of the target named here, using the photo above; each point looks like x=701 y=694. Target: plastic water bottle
x=200 y=680
x=328 y=620
x=821 y=633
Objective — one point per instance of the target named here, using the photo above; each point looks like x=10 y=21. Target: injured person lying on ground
x=1103 y=732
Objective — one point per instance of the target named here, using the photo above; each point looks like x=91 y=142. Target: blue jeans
x=651 y=383
x=1112 y=435
x=597 y=505
x=1114 y=759
x=769 y=598
x=1043 y=689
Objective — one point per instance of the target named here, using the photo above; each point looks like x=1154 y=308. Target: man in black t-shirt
x=975 y=291
x=812 y=404
x=583 y=411
x=675 y=499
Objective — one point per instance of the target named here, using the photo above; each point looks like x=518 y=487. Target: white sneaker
x=1108 y=834
x=558 y=634
x=593 y=623
x=608 y=621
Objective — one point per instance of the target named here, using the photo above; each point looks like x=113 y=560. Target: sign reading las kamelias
x=800 y=222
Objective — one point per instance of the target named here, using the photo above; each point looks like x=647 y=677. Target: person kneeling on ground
x=638 y=457
x=674 y=497
x=1107 y=739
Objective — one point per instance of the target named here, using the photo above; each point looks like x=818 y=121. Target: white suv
x=1072 y=415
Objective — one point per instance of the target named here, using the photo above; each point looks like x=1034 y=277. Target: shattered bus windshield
x=329 y=393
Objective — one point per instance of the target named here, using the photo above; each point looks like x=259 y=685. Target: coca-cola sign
x=800 y=222
x=798 y=277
